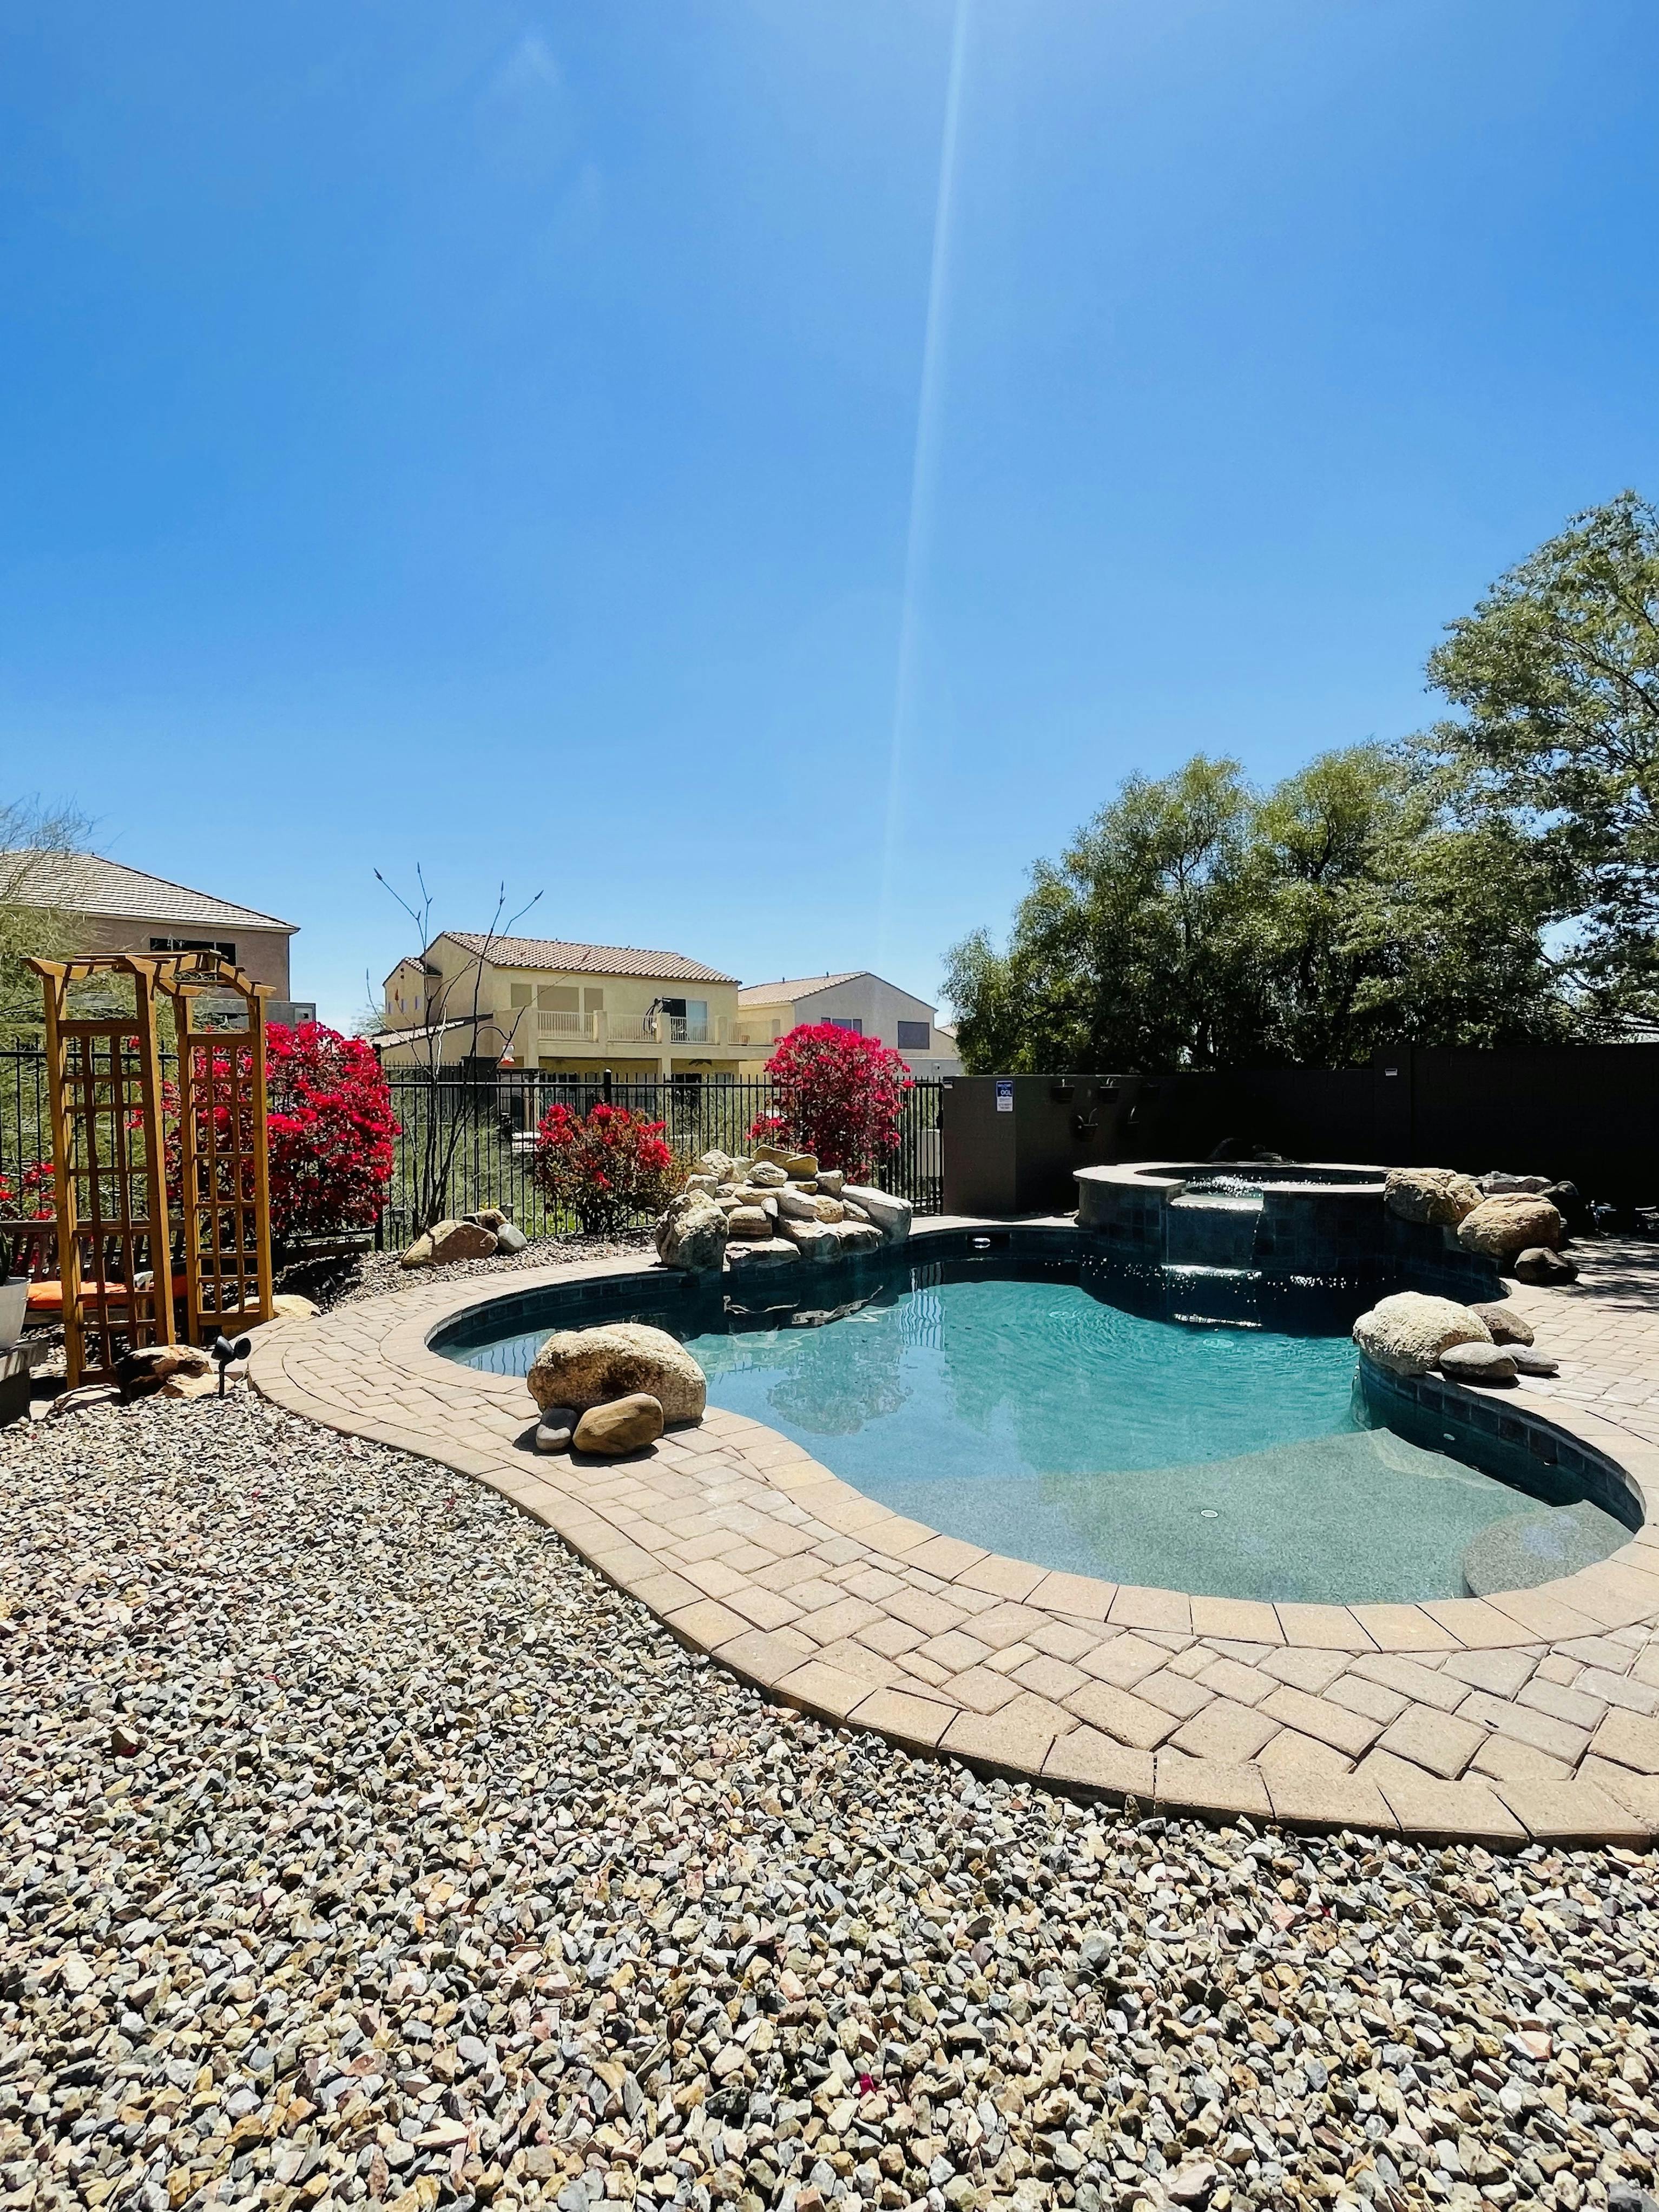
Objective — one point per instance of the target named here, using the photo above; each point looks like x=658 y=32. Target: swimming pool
x=1034 y=1405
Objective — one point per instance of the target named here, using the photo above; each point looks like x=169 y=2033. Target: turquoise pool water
x=1039 y=1420
x=1039 y=1402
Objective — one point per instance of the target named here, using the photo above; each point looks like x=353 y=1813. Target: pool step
x=1212 y=1232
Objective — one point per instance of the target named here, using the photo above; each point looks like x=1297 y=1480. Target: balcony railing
x=672 y=1029
x=581 y=1026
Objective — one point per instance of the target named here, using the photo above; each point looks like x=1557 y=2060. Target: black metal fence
x=25 y=1116
x=487 y=1130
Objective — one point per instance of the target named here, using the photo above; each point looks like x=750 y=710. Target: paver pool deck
x=1530 y=1714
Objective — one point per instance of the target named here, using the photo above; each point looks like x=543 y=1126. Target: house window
x=593 y=1000
x=518 y=994
x=847 y=1022
x=558 y=998
x=227 y=952
x=914 y=1037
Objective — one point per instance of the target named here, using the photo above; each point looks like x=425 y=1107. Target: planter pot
x=14 y=1309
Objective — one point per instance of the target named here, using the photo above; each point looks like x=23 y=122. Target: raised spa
x=1026 y=1394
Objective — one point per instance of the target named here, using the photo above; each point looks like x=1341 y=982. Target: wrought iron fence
x=25 y=1117
x=492 y=1119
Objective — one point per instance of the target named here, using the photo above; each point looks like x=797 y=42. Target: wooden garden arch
x=109 y=1157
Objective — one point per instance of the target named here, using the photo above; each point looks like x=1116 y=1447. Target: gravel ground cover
x=360 y=1844
x=376 y=1273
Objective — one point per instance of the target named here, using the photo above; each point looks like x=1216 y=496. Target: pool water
x=1026 y=1411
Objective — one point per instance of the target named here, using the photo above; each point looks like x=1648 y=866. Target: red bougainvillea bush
x=836 y=1094
x=608 y=1166
x=330 y=1128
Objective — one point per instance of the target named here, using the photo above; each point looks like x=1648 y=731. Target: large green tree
x=1195 y=922
x=1556 y=674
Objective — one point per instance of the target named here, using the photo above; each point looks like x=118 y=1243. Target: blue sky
x=582 y=446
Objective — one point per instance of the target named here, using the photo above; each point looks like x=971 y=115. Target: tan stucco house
x=854 y=999
x=109 y=908
x=564 y=1008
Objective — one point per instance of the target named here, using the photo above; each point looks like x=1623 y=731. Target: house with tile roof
x=854 y=999
x=569 y=1010
x=111 y=908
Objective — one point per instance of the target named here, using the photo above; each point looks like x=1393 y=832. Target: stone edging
x=1530 y=1714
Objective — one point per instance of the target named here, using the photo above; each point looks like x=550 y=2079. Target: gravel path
x=360 y=1842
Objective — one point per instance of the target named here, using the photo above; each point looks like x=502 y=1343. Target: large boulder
x=1500 y=1227
x=1407 y=1333
x=813 y=1240
x=775 y=1252
x=584 y=1367
x=447 y=1241
x=1504 y=1324
x=1498 y=1184
x=797 y=1205
x=855 y=1238
x=891 y=1215
x=748 y=1224
x=624 y=1425
x=832 y=1181
x=767 y=1174
x=691 y=1233
x=1540 y=1265
x=1431 y=1194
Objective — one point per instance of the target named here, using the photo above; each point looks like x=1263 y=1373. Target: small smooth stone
x=1504 y=1323
x=1484 y=1364
x=554 y=1429
x=1529 y=1361
x=626 y=1425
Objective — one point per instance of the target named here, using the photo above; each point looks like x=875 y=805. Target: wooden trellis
x=224 y=1169
x=110 y=1157
x=113 y=1235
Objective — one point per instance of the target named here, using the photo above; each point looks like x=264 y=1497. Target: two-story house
x=104 y=906
x=854 y=999
x=566 y=1009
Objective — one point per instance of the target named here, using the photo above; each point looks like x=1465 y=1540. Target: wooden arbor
x=112 y=1153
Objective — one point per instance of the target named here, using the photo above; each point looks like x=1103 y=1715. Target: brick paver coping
x=1534 y=1714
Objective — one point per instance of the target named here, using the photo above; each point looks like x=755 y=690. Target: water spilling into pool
x=1030 y=1410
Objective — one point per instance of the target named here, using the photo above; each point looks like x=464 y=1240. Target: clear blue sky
x=561 y=443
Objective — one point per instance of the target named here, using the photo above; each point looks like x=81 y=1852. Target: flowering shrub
x=837 y=1095
x=607 y=1166
x=33 y=1197
x=330 y=1128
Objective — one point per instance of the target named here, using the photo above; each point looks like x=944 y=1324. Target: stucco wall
x=261 y=954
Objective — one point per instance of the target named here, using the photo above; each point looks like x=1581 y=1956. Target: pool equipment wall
x=1013 y=1143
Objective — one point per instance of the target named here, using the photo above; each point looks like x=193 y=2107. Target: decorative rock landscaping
x=475 y=1236
x=362 y=1845
x=774 y=1209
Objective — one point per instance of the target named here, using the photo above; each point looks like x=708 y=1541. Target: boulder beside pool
x=1435 y=1195
x=588 y=1367
x=1407 y=1333
x=625 y=1424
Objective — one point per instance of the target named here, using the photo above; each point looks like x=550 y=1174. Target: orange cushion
x=48 y=1295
